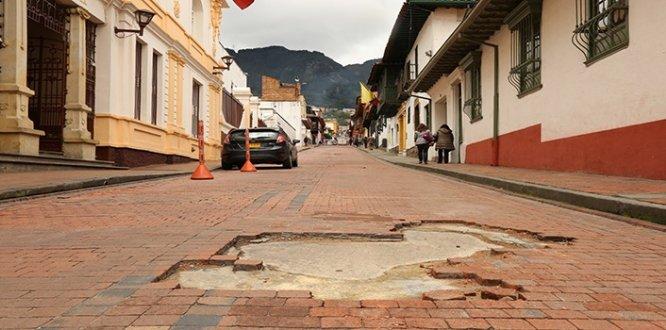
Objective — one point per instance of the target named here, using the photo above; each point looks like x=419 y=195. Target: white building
x=574 y=88
x=420 y=29
x=283 y=105
x=236 y=88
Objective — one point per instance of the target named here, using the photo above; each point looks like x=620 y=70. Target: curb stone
x=92 y=183
x=615 y=205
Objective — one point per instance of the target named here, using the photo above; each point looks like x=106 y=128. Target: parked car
x=267 y=146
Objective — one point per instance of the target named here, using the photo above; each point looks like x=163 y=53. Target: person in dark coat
x=444 y=143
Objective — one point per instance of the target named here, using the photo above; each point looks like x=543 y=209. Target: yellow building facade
x=78 y=89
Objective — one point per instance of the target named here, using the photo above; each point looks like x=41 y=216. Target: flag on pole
x=243 y=3
x=366 y=95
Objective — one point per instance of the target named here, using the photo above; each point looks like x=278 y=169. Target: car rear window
x=256 y=136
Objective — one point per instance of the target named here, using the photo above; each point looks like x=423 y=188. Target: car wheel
x=288 y=164
x=227 y=167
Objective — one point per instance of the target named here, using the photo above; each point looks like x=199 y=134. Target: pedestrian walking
x=444 y=143
x=423 y=141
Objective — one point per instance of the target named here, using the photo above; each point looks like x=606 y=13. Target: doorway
x=440 y=113
x=402 y=134
x=196 y=92
x=47 y=71
x=91 y=36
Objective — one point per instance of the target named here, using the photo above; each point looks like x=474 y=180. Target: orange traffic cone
x=201 y=172
x=248 y=166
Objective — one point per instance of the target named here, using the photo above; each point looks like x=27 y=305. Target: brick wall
x=274 y=90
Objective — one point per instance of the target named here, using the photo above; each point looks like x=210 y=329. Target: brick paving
x=645 y=190
x=89 y=258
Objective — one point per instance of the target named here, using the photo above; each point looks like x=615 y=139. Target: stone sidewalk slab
x=630 y=197
x=26 y=184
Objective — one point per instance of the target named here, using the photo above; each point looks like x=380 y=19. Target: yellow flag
x=366 y=95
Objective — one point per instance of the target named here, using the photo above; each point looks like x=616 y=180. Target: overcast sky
x=349 y=31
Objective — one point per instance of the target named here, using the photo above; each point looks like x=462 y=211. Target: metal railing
x=526 y=76
x=472 y=108
x=601 y=27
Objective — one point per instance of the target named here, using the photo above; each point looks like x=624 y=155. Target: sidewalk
x=24 y=184
x=633 y=197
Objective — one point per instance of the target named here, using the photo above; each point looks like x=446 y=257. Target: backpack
x=428 y=137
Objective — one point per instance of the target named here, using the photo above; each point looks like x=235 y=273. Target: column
x=17 y=133
x=243 y=94
x=175 y=92
x=214 y=108
x=77 y=139
x=255 y=103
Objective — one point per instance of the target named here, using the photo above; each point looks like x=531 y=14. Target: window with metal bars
x=471 y=64
x=91 y=73
x=601 y=27
x=138 y=72
x=2 y=24
x=196 y=104
x=525 y=24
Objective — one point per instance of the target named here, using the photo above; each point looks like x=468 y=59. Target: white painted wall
x=623 y=89
x=235 y=77
x=292 y=112
x=437 y=28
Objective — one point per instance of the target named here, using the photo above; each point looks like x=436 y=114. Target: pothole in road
x=335 y=268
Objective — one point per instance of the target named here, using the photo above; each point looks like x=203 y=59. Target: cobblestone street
x=97 y=258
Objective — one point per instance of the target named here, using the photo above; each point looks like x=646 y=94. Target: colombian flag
x=243 y=3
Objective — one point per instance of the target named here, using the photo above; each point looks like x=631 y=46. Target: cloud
x=349 y=31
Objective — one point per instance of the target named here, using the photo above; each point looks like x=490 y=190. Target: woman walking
x=444 y=139
x=423 y=140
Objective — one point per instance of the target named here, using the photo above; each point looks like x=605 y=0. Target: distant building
x=283 y=105
x=333 y=125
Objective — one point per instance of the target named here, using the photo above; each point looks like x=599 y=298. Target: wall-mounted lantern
x=228 y=61
x=143 y=18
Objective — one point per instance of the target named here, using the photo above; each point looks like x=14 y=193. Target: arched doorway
x=47 y=70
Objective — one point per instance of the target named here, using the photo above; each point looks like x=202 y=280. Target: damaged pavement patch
x=351 y=268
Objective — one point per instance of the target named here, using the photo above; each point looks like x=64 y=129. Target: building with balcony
x=555 y=85
x=420 y=29
x=73 y=88
x=239 y=104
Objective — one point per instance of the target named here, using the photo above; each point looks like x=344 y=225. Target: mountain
x=326 y=83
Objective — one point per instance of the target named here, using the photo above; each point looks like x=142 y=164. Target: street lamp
x=143 y=18
x=228 y=61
